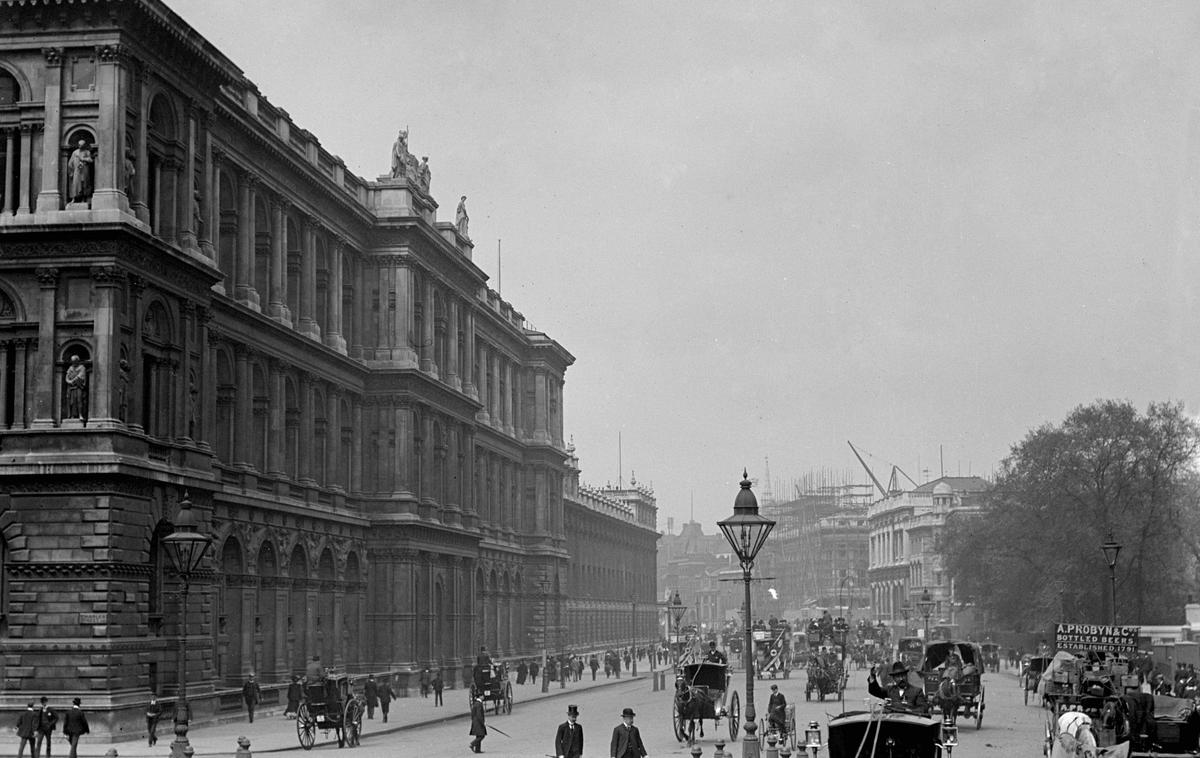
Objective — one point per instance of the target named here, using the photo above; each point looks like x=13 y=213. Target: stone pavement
x=272 y=733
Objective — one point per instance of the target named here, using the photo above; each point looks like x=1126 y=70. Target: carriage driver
x=713 y=655
x=900 y=693
x=777 y=710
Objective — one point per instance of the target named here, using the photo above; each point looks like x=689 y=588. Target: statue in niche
x=79 y=166
x=197 y=217
x=399 y=153
x=130 y=173
x=193 y=395
x=461 y=219
x=123 y=391
x=77 y=381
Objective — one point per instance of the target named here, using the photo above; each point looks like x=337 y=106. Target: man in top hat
x=626 y=739
x=75 y=725
x=27 y=726
x=478 y=728
x=901 y=693
x=252 y=695
x=568 y=741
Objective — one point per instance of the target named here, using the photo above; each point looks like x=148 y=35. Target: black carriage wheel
x=352 y=722
x=735 y=716
x=979 y=710
x=508 y=697
x=677 y=720
x=306 y=728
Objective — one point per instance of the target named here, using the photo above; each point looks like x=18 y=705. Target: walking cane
x=494 y=729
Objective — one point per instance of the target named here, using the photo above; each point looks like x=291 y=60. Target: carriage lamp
x=949 y=732
x=812 y=737
x=185 y=547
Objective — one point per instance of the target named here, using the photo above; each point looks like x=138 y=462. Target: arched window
x=165 y=154
x=226 y=400
x=227 y=233
x=10 y=95
x=10 y=91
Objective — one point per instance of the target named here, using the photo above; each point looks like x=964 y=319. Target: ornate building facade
x=198 y=301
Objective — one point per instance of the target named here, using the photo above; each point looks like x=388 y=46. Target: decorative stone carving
x=47 y=276
x=80 y=170
x=405 y=165
x=53 y=55
x=123 y=389
x=8 y=309
x=461 y=219
x=106 y=276
x=77 y=382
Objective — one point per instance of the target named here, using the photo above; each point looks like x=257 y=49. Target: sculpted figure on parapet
x=406 y=166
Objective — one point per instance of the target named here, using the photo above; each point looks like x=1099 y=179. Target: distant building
x=818 y=553
x=903 y=532
x=692 y=562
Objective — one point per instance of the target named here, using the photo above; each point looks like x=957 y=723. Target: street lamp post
x=678 y=611
x=1111 y=549
x=925 y=605
x=633 y=630
x=545 y=585
x=186 y=548
x=746 y=532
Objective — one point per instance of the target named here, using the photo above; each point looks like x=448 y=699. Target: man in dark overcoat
x=75 y=725
x=626 y=739
x=371 y=690
x=27 y=725
x=153 y=714
x=386 y=696
x=568 y=741
x=901 y=693
x=252 y=695
x=478 y=728
x=47 y=723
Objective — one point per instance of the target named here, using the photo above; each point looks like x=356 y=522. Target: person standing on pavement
x=27 y=726
x=252 y=695
x=295 y=693
x=153 y=714
x=478 y=727
x=568 y=741
x=371 y=690
x=75 y=725
x=438 y=685
x=47 y=723
x=626 y=739
x=533 y=672
x=386 y=695
x=594 y=665
x=425 y=680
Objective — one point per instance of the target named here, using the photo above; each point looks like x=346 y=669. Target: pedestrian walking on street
x=568 y=741
x=386 y=696
x=75 y=725
x=426 y=678
x=438 y=685
x=478 y=727
x=27 y=726
x=47 y=723
x=294 y=694
x=153 y=714
x=371 y=690
x=252 y=695
x=522 y=671
x=594 y=665
x=626 y=739
x=533 y=672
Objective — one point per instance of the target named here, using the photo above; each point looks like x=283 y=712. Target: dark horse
x=688 y=706
x=947 y=698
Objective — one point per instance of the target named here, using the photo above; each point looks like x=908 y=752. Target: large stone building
x=197 y=300
x=904 y=557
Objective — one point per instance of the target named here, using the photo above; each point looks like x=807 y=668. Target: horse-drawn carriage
x=952 y=671
x=330 y=704
x=773 y=649
x=885 y=732
x=700 y=692
x=492 y=684
x=825 y=676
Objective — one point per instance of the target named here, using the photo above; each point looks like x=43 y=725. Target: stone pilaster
x=109 y=192
x=49 y=198
x=45 y=414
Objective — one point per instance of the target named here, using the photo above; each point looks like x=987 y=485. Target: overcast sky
x=766 y=228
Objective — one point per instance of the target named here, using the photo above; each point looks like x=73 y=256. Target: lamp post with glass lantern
x=678 y=611
x=186 y=548
x=925 y=606
x=1111 y=549
x=746 y=532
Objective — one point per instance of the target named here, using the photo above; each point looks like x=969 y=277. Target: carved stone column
x=428 y=330
x=10 y=172
x=243 y=434
x=306 y=429
x=333 y=337
x=308 y=281
x=451 y=371
x=468 y=371
x=404 y=448
x=206 y=414
x=507 y=400
x=185 y=387
x=45 y=414
x=356 y=446
x=405 y=313
x=208 y=218
x=105 y=280
x=244 y=291
x=27 y=171
x=141 y=207
x=50 y=199
x=484 y=416
x=334 y=476
x=109 y=165
x=359 y=304
x=276 y=307
x=277 y=389
x=188 y=191
x=541 y=430
x=136 y=370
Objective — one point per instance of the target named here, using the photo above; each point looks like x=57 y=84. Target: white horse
x=1075 y=738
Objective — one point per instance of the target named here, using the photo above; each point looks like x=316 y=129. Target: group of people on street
x=36 y=725
x=626 y=740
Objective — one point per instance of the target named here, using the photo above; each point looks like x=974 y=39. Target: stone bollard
x=112 y=753
x=772 y=750
x=654 y=679
x=243 y=750
x=720 y=751
x=785 y=751
x=697 y=751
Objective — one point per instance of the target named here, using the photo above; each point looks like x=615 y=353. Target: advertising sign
x=1084 y=638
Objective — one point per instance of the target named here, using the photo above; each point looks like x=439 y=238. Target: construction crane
x=893 y=487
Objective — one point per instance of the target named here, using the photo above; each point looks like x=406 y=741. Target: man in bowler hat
x=478 y=729
x=27 y=726
x=626 y=739
x=901 y=693
x=568 y=742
